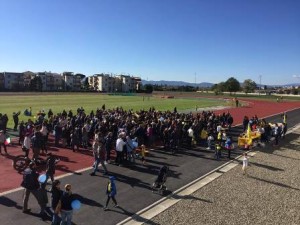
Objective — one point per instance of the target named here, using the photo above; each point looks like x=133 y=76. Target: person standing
x=51 y=161
x=277 y=133
x=56 y=194
x=245 y=163
x=36 y=141
x=236 y=102
x=108 y=146
x=210 y=139
x=44 y=137
x=2 y=141
x=228 y=147
x=120 y=143
x=16 y=120
x=64 y=206
x=31 y=186
x=111 y=192
x=143 y=154
x=99 y=154
x=130 y=149
x=26 y=144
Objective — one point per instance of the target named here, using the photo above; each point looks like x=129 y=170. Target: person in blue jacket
x=111 y=191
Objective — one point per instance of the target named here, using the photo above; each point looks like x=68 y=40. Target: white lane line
x=57 y=177
x=11 y=191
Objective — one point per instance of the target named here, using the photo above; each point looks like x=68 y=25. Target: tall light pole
x=195 y=81
x=259 y=84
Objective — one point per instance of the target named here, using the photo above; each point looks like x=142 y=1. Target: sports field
x=58 y=102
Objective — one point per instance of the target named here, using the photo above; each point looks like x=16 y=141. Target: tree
x=232 y=85
x=218 y=88
x=86 y=85
x=295 y=91
x=148 y=88
x=249 y=86
x=36 y=84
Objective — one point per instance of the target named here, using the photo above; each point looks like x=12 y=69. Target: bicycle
x=21 y=162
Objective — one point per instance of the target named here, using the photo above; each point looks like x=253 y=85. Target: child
x=245 y=163
x=217 y=151
x=228 y=146
x=210 y=139
x=111 y=191
x=143 y=153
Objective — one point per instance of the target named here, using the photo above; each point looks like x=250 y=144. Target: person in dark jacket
x=31 y=186
x=64 y=206
x=16 y=120
x=108 y=146
x=51 y=161
x=36 y=142
x=56 y=194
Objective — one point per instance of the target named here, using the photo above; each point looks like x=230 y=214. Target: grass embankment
x=58 y=102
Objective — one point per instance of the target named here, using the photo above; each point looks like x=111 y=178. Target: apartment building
x=28 y=75
x=13 y=81
x=46 y=80
x=68 y=81
x=78 y=78
x=2 y=82
x=102 y=82
x=72 y=82
x=108 y=83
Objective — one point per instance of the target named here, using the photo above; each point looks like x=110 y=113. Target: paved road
x=133 y=183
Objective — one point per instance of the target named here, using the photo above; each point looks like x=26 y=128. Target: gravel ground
x=270 y=194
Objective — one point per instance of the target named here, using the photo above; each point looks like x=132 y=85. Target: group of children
x=222 y=142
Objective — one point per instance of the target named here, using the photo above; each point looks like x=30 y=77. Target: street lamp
x=259 y=84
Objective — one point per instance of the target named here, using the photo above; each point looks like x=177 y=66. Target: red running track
x=71 y=162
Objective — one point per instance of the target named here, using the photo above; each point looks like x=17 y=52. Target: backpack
x=29 y=180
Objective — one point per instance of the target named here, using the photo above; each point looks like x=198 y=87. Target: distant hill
x=293 y=84
x=204 y=84
x=177 y=83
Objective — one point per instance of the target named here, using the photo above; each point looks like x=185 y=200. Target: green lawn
x=58 y=102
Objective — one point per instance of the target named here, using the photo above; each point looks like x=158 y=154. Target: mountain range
x=202 y=84
x=177 y=83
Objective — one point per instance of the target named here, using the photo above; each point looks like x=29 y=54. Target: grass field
x=58 y=102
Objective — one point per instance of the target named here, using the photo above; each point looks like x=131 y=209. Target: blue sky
x=154 y=39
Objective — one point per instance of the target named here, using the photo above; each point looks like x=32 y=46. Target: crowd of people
x=105 y=130
x=119 y=129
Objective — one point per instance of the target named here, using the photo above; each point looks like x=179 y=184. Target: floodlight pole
x=259 y=84
x=195 y=81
